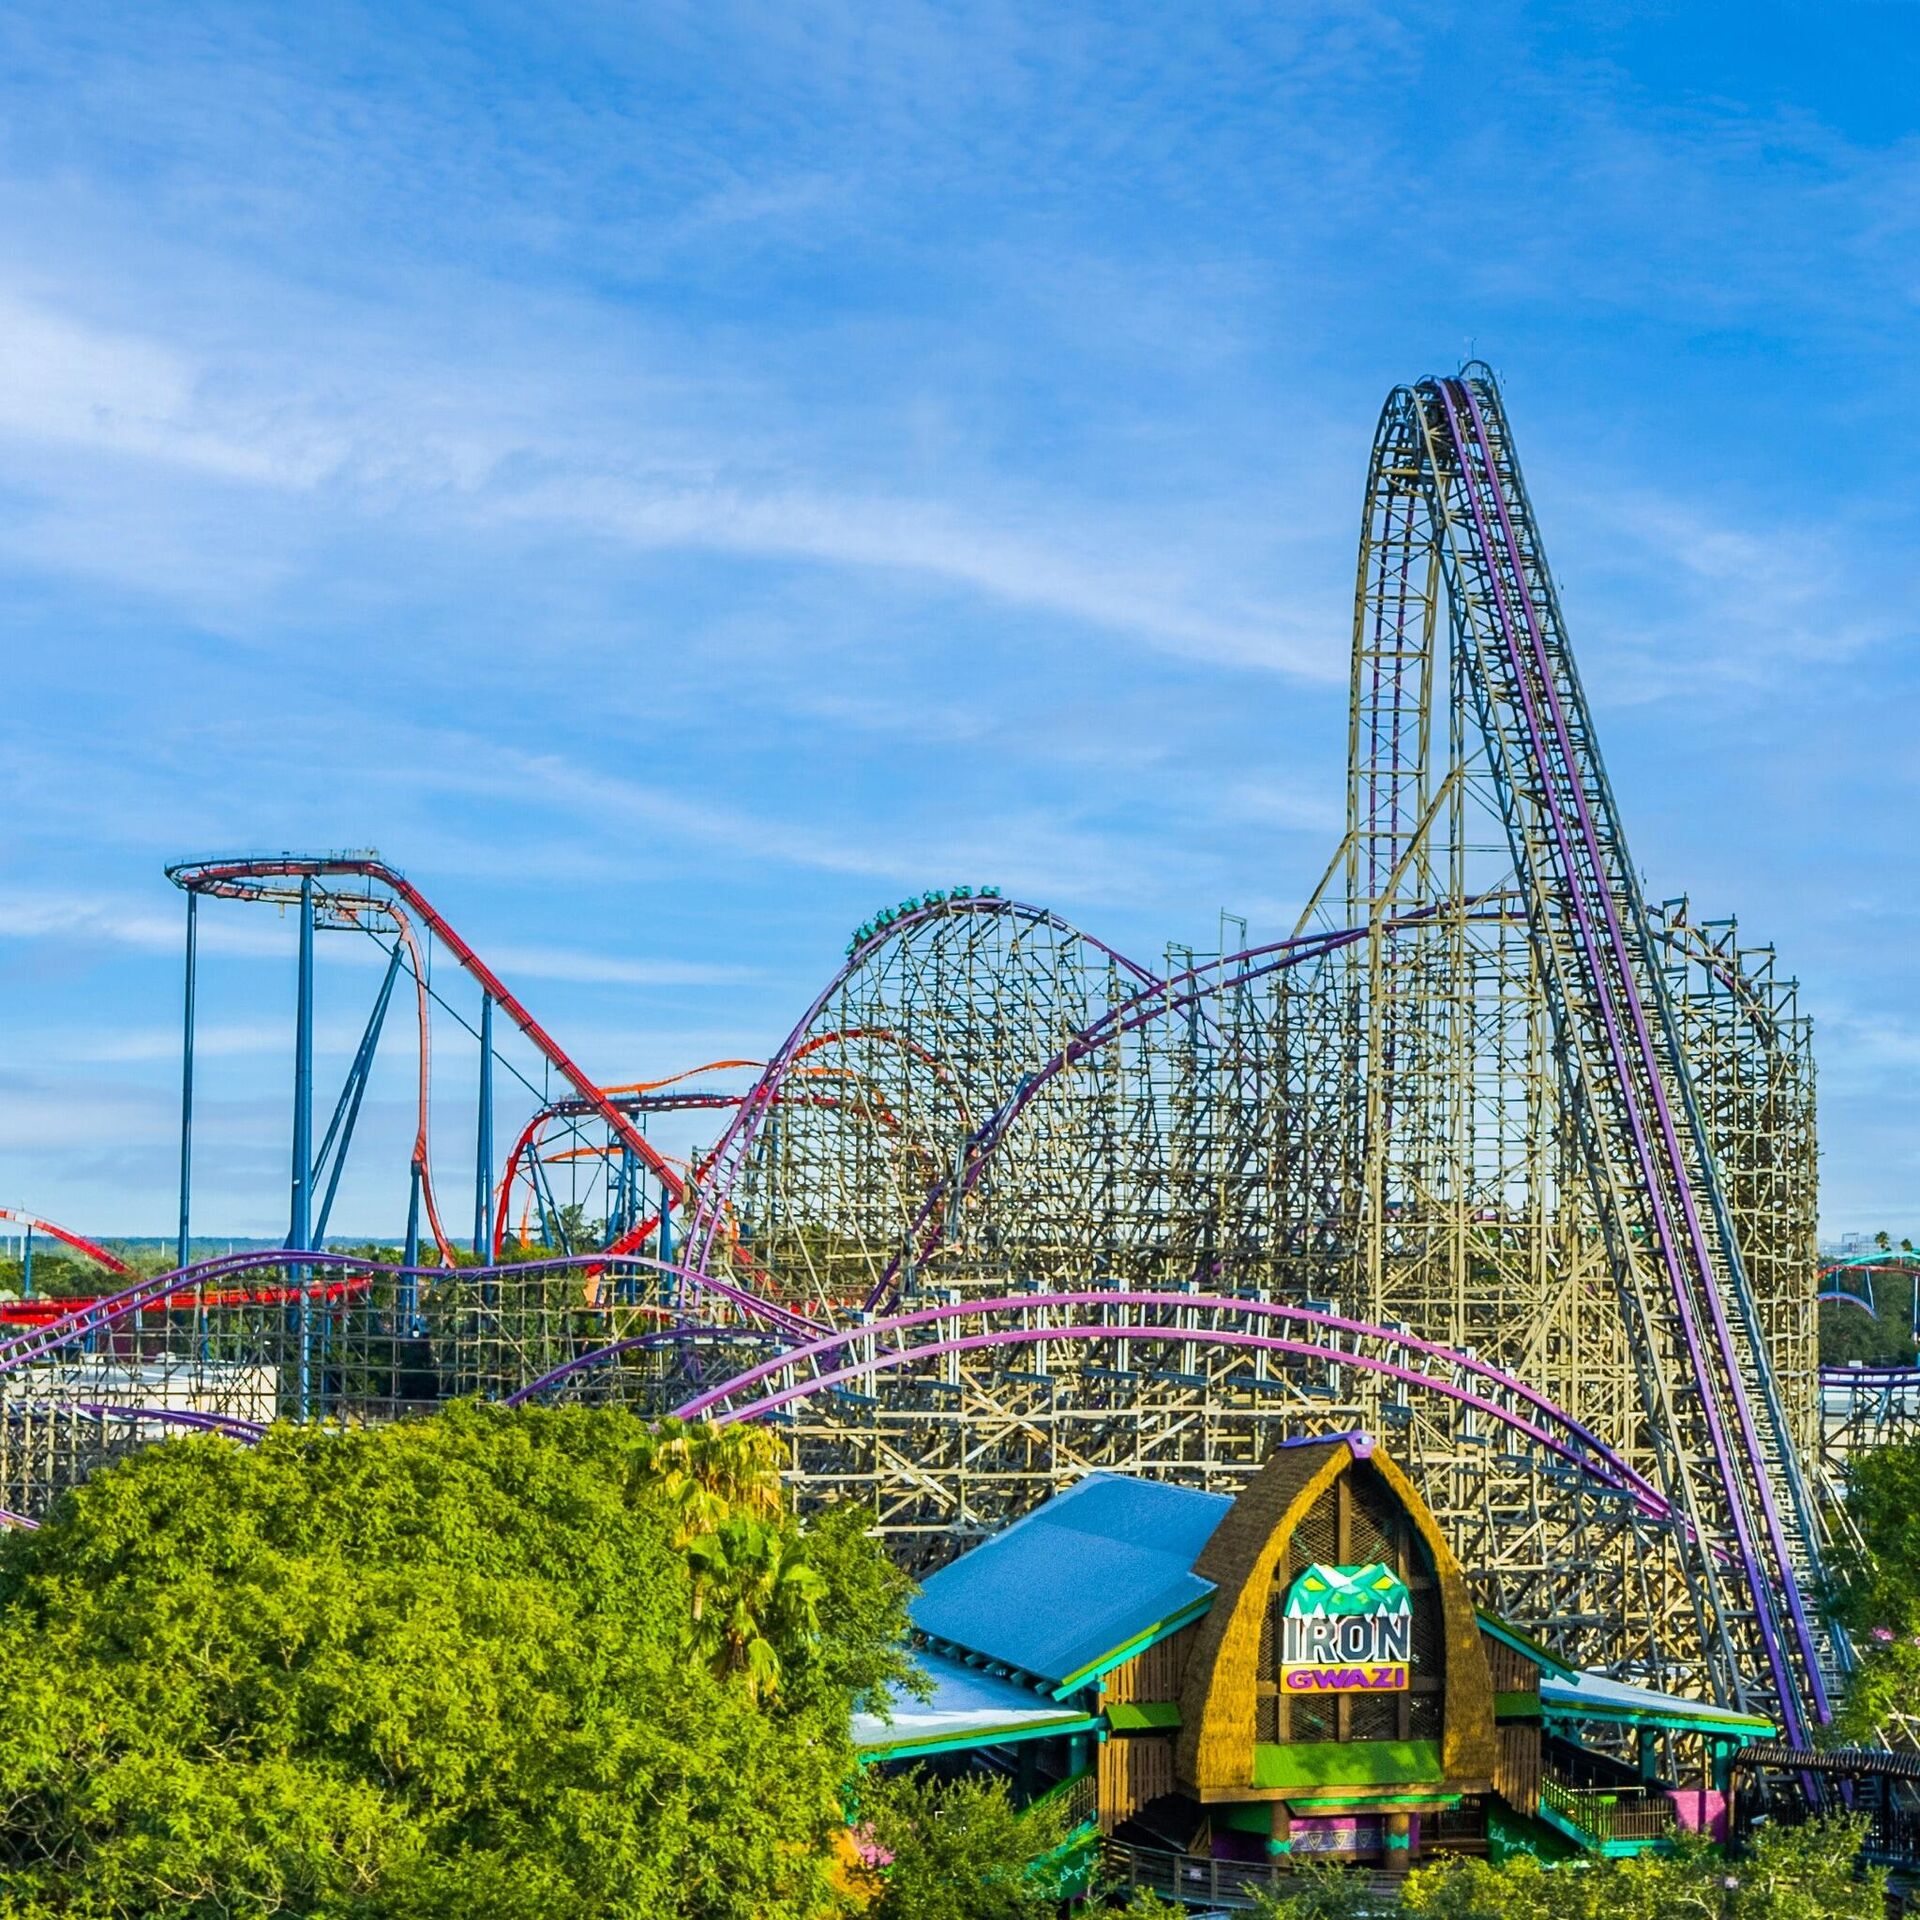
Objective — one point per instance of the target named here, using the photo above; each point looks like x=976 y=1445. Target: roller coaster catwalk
x=1491 y=1156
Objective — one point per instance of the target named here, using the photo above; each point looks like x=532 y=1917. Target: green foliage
x=857 y=1654
x=61 y=1274
x=712 y=1473
x=960 y=1851
x=1792 y=1873
x=754 y=1598
x=1850 y=1333
x=1803 y=1873
x=1319 y=1890
x=1146 y=1905
x=1879 y=1591
x=441 y=1668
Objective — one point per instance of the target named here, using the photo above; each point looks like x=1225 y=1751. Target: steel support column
x=410 y=1283
x=483 y=1145
x=299 y=1230
x=186 y=1086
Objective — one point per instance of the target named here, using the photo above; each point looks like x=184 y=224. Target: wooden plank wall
x=1516 y=1767
x=1134 y=1768
x=1154 y=1675
x=1512 y=1672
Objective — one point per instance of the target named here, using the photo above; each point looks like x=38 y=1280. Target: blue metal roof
x=1078 y=1578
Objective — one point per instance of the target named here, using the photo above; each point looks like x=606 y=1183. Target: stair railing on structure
x=1610 y=1813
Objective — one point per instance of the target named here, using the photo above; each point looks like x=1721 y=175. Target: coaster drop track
x=1446 y=490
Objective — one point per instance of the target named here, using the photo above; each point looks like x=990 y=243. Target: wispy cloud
x=120 y=923
x=212 y=1040
x=117 y=394
x=1743 y=602
x=1111 y=590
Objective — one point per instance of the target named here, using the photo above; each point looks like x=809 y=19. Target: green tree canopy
x=446 y=1667
x=958 y=1850
x=1793 y=1873
x=1850 y=1331
x=1879 y=1597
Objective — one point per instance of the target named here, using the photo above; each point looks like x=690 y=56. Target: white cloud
x=226 y=1039
x=1741 y=598
x=375 y=446
x=41 y=915
x=1292 y=805
x=65 y=382
x=1106 y=588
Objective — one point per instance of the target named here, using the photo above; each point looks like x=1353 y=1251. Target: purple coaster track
x=1162 y=997
x=41 y=1343
x=890 y=1344
x=1517 y=680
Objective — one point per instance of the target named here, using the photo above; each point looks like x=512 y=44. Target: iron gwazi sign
x=1347 y=1630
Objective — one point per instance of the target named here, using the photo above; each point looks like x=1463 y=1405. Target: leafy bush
x=1793 y=1873
x=957 y=1850
x=1879 y=1592
x=443 y=1668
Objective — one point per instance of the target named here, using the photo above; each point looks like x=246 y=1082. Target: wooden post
x=1399 y=1842
x=1280 y=1832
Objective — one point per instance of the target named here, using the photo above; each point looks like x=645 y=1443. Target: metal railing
x=1608 y=1813
x=1079 y=1796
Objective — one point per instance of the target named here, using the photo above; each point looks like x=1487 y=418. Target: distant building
x=1222 y=1684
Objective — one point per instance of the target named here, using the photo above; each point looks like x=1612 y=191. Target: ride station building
x=1219 y=1684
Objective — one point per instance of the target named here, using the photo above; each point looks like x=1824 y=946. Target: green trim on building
x=1141 y=1716
x=1511 y=1834
x=1059 y=1790
x=977 y=1737
x=1358 y=1763
x=1244 y=1818
x=1526 y=1646
x=1373 y=1802
x=1607 y=1846
x=1517 y=1706
x=1098 y=1669
x=1715 y=1723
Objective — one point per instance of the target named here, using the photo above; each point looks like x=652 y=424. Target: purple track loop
x=1649 y=1502
x=227 y=1424
x=1491 y=553
x=1611 y=1465
x=640 y=1342
x=1176 y=993
x=736 y=1142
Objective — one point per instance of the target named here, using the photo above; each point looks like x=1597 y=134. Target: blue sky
x=676 y=478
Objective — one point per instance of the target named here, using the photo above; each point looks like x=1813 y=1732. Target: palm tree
x=755 y=1601
x=712 y=1473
